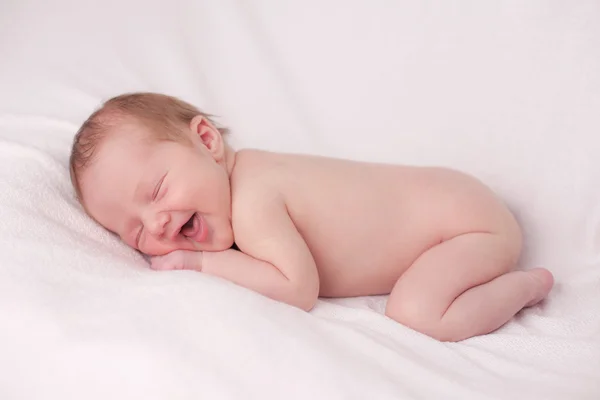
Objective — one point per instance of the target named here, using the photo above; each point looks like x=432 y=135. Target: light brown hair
x=165 y=116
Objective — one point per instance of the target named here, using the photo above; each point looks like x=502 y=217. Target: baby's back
x=366 y=223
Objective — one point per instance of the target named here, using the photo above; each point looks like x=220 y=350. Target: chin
x=223 y=240
x=223 y=244
x=216 y=243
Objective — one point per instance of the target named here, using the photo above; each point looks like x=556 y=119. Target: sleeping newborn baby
x=157 y=172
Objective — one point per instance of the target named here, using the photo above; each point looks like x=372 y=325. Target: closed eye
x=157 y=187
x=138 y=236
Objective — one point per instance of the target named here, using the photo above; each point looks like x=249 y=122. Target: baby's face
x=158 y=196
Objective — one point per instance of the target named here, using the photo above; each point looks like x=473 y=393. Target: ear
x=209 y=136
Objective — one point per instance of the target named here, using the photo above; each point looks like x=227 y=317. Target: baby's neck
x=229 y=160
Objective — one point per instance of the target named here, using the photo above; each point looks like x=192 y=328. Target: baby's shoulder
x=256 y=188
x=255 y=168
x=256 y=178
x=251 y=160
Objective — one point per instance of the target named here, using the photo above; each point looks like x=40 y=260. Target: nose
x=157 y=223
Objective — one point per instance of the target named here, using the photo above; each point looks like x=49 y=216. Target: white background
x=508 y=91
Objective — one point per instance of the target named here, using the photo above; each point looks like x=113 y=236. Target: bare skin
x=438 y=241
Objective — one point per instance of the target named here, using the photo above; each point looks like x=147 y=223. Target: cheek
x=211 y=190
x=180 y=194
x=151 y=249
x=221 y=187
x=198 y=185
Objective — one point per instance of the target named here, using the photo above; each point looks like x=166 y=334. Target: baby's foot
x=542 y=282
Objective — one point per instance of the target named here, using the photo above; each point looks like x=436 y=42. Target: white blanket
x=508 y=91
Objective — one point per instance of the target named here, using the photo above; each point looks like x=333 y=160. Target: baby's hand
x=177 y=260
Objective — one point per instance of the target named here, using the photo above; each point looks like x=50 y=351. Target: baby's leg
x=463 y=287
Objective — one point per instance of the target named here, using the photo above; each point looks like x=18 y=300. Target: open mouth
x=195 y=229
x=190 y=228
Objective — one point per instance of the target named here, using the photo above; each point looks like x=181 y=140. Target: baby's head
x=155 y=170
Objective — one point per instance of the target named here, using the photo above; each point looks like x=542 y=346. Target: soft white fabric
x=508 y=91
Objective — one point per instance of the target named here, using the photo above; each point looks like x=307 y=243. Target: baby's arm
x=275 y=260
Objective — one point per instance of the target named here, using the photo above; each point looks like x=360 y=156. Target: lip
x=198 y=232
x=200 y=229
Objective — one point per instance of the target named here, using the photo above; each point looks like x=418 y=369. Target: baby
x=159 y=173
